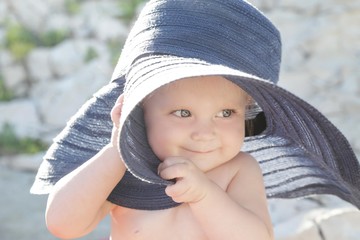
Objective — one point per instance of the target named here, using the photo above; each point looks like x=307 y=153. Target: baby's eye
x=182 y=113
x=225 y=113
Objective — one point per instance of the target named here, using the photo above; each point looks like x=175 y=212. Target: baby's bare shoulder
x=235 y=171
x=246 y=170
x=244 y=162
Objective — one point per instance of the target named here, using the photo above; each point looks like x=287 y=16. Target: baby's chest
x=176 y=223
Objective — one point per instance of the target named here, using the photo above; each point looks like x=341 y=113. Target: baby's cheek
x=158 y=147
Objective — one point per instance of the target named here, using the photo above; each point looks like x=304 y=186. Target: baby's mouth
x=200 y=151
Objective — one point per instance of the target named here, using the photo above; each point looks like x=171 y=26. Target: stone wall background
x=321 y=62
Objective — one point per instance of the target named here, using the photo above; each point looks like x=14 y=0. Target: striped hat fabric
x=299 y=151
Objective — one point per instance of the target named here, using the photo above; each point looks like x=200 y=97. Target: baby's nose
x=203 y=131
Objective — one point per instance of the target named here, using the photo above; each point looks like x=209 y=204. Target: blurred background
x=55 y=54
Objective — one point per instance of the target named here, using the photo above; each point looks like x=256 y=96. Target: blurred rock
x=58 y=101
x=340 y=224
x=32 y=13
x=15 y=79
x=65 y=58
x=309 y=218
x=298 y=227
x=22 y=116
x=3 y=11
x=58 y=22
x=6 y=59
x=38 y=65
x=23 y=162
x=109 y=29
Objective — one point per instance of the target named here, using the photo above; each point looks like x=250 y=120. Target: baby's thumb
x=116 y=111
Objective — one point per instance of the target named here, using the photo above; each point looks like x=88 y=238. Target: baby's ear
x=116 y=110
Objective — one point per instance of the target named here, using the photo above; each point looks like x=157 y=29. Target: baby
x=165 y=147
x=196 y=128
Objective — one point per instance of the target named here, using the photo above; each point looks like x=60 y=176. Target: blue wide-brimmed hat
x=299 y=151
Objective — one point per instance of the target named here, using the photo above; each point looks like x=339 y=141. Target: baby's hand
x=191 y=183
x=115 y=118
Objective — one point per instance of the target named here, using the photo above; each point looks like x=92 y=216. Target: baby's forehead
x=203 y=83
x=193 y=88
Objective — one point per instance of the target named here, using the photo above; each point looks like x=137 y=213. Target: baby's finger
x=178 y=191
x=116 y=110
x=173 y=171
x=174 y=167
x=170 y=161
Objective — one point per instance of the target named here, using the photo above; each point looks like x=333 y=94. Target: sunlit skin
x=196 y=128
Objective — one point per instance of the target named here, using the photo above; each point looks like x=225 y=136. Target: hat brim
x=300 y=152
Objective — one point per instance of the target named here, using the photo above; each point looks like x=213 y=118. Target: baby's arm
x=242 y=212
x=239 y=213
x=78 y=201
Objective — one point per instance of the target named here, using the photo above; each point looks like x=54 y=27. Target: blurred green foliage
x=20 y=40
x=5 y=94
x=51 y=38
x=91 y=54
x=129 y=8
x=10 y=144
x=73 y=6
x=115 y=48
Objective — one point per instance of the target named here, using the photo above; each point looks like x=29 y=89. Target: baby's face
x=201 y=119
